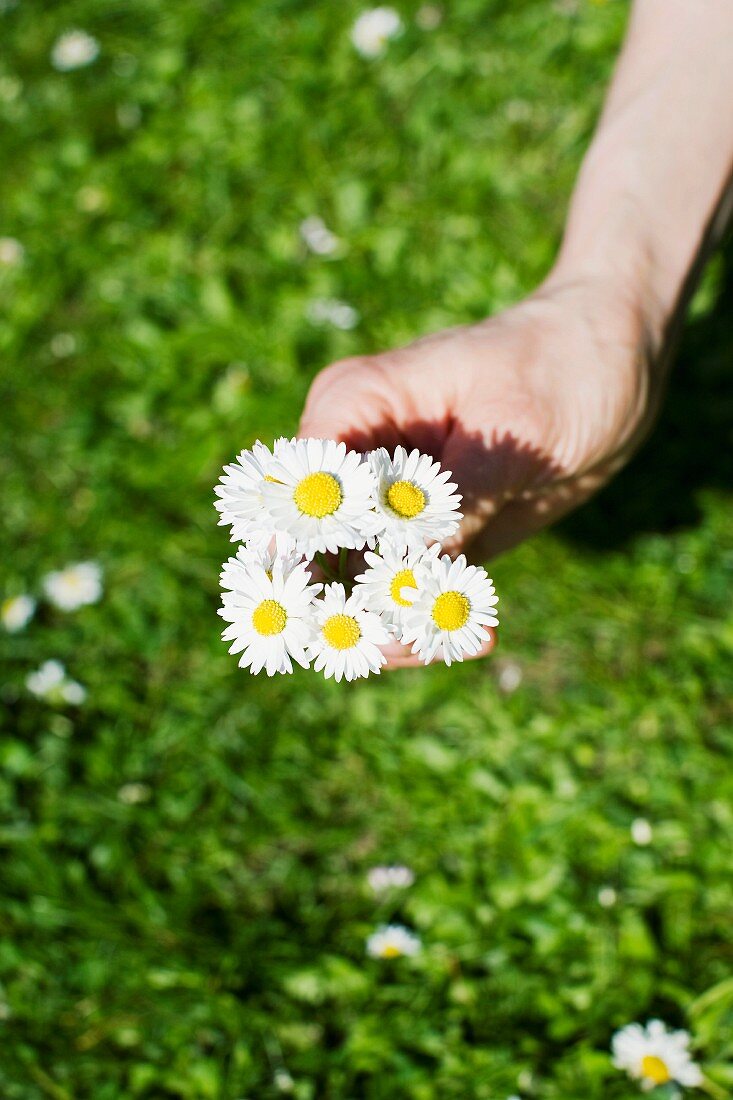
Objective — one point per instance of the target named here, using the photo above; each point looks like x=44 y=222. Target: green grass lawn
x=184 y=856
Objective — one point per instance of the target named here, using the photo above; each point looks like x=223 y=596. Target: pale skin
x=535 y=409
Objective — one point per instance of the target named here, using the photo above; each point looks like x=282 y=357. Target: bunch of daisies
x=298 y=508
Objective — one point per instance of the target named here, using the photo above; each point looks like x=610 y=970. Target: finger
x=349 y=401
x=522 y=518
x=400 y=656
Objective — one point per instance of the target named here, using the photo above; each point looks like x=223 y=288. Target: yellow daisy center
x=390 y=951
x=404 y=579
x=654 y=1069
x=451 y=610
x=269 y=618
x=406 y=499
x=341 y=631
x=318 y=495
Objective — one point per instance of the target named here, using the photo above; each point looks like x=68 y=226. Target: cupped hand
x=532 y=410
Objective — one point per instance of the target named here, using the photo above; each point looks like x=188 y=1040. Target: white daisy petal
x=390 y=583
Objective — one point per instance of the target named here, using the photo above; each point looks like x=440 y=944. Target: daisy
x=75 y=586
x=655 y=1056
x=11 y=251
x=415 y=499
x=74 y=50
x=390 y=584
x=240 y=491
x=270 y=611
x=348 y=636
x=332 y=311
x=373 y=29
x=396 y=876
x=392 y=941
x=317 y=237
x=50 y=682
x=641 y=832
x=322 y=496
x=454 y=606
x=16 y=612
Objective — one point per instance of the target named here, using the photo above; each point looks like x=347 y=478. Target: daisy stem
x=325 y=567
x=343 y=561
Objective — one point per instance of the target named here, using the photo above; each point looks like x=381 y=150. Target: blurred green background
x=184 y=856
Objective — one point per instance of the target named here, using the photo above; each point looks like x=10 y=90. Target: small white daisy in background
x=392 y=941
x=11 y=252
x=16 y=612
x=75 y=586
x=607 y=897
x=63 y=344
x=452 y=610
x=322 y=495
x=396 y=876
x=270 y=611
x=390 y=583
x=332 y=311
x=415 y=498
x=373 y=30
x=50 y=682
x=74 y=50
x=509 y=676
x=283 y=1082
x=317 y=237
x=641 y=832
x=73 y=692
x=133 y=793
x=346 y=645
x=655 y=1055
x=240 y=489
x=428 y=17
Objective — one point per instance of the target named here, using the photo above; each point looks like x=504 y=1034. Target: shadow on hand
x=691 y=448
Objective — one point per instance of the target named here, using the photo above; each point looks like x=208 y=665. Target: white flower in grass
x=396 y=876
x=75 y=586
x=373 y=29
x=452 y=610
x=322 y=496
x=50 y=682
x=392 y=941
x=346 y=644
x=16 y=612
x=11 y=251
x=331 y=311
x=74 y=50
x=416 y=501
x=654 y=1055
x=241 y=492
x=270 y=611
x=390 y=584
x=73 y=693
x=641 y=832
x=317 y=237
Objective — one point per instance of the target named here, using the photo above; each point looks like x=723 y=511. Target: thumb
x=349 y=402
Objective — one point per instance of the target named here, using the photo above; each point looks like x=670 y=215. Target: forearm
x=656 y=180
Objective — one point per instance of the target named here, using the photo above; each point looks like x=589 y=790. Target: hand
x=532 y=410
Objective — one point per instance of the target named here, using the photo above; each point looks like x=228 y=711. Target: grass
x=184 y=906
